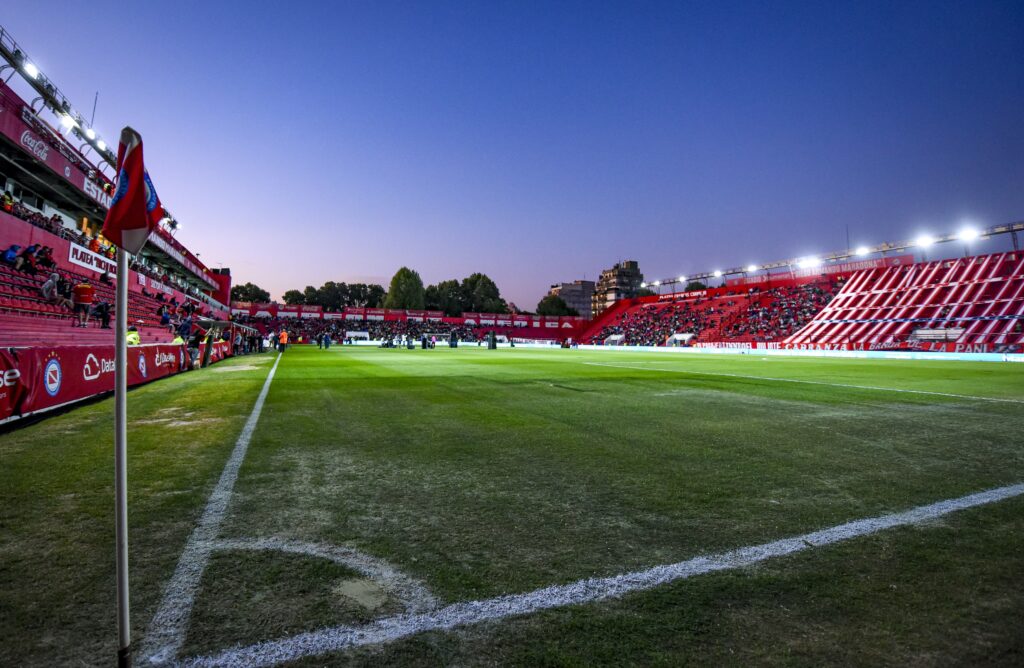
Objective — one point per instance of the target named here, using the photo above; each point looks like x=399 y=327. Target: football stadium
x=811 y=460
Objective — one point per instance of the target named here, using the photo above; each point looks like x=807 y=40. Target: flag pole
x=124 y=632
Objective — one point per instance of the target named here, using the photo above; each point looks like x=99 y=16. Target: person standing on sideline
x=282 y=340
x=327 y=341
x=82 y=297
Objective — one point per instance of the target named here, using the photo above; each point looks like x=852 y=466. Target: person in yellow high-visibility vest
x=132 y=337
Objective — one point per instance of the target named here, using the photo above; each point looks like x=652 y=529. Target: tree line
x=477 y=293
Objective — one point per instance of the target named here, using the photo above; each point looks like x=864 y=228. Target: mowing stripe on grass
x=811 y=382
x=166 y=631
x=583 y=591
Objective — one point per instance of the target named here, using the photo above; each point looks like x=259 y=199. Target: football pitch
x=361 y=506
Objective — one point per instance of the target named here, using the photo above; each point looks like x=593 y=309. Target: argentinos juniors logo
x=52 y=376
x=142 y=364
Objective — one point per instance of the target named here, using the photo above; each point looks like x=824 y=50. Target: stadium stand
x=760 y=312
x=978 y=300
x=27 y=318
x=975 y=302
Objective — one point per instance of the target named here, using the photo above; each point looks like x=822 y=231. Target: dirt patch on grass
x=179 y=420
x=362 y=591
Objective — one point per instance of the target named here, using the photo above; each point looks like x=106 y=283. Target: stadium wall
x=39 y=379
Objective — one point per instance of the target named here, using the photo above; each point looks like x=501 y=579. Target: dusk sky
x=542 y=142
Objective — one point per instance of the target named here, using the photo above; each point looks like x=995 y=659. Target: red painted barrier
x=39 y=379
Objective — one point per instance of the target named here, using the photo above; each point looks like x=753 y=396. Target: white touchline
x=811 y=382
x=583 y=591
x=166 y=631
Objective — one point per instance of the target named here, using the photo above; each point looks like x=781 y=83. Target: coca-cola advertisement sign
x=35 y=145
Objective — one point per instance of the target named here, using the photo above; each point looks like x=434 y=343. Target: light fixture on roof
x=809 y=263
x=968 y=234
x=101 y=145
x=643 y=285
x=682 y=279
x=90 y=133
x=861 y=251
x=657 y=283
x=718 y=273
x=752 y=267
x=924 y=241
x=31 y=70
x=67 y=121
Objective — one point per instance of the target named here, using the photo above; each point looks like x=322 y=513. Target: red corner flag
x=135 y=210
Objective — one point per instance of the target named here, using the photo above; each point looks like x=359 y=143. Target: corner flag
x=135 y=210
x=133 y=215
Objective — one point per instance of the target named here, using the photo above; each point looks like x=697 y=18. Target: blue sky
x=540 y=142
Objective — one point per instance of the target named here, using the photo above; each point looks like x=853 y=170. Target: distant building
x=620 y=282
x=578 y=295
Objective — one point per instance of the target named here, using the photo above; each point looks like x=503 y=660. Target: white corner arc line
x=166 y=631
x=583 y=591
x=970 y=397
x=411 y=592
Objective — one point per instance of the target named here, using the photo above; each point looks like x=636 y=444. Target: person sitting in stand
x=11 y=254
x=82 y=297
x=105 y=278
x=25 y=257
x=51 y=291
x=94 y=245
x=102 y=311
x=7 y=202
x=132 y=337
x=185 y=327
x=44 y=258
x=64 y=290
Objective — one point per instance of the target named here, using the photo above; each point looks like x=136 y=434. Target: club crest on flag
x=135 y=209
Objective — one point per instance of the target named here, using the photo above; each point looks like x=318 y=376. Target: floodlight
x=752 y=267
x=67 y=121
x=90 y=133
x=861 y=251
x=718 y=273
x=643 y=285
x=809 y=263
x=101 y=145
x=924 y=241
x=968 y=234
x=682 y=279
x=31 y=70
x=657 y=283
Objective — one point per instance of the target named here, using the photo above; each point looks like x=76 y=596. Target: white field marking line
x=583 y=591
x=166 y=631
x=812 y=382
x=409 y=591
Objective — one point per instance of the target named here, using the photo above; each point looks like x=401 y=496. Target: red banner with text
x=38 y=379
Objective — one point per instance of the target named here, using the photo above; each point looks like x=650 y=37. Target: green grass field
x=482 y=473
